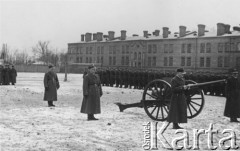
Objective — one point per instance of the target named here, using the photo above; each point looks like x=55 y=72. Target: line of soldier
x=138 y=79
x=8 y=74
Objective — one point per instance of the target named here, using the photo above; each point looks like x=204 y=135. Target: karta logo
x=153 y=135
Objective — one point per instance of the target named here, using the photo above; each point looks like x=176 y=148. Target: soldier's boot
x=91 y=117
x=234 y=120
x=50 y=104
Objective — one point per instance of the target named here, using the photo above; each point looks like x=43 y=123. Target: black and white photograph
x=119 y=75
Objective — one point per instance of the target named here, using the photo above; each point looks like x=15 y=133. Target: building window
x=154 y=62
x=154 y=47
x=165 y=61
x=127 y=49
x=139 y=56
x=110 y=60
x=123 y=49
x=77 y=60
x=189 y=48
x=165 y=48
x=238 y=61
x=98 y=50
x=86 y=59
x=182 y=61
x=220 y=47
x=90 y=50
x=208 y=62
x=171 y=48
x=102 y=49
x=220 y=61
x=127 y=60
x=202 y=62
x=81 y=60
x=123 y=61
x=233 y=48
x=149 y=48
x=114 y=60
x=227 y=47
x=90 y=59
x=208 y=48
x=202 y=48
x=86 y=50
x=183 y=48
x=98 y=60
x=189 y=61
x=135 y=55
x=149 y=61
x=114 y=49
x=170 y=61
x=226 y=61
x=110 y=50
x=102 y=59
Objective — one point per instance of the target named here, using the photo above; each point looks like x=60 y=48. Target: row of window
x=168 y=61
x=168 y=48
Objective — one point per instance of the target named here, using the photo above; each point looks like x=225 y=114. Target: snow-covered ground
x=26 y=123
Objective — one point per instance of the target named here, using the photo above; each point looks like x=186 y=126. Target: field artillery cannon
x=157 y=96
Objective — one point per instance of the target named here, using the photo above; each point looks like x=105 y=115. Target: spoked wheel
x=156 y=99
x=195 y=100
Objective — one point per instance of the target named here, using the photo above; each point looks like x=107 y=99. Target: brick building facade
x=195 y=51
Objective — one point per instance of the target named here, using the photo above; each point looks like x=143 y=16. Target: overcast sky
x=24 y=22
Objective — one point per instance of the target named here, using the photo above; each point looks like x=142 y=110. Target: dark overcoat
x=92 y=91
x=51 y=85
x=13 y=75
x=1 y=69
x=178 y=105
x=232 y=107
x=5 y=76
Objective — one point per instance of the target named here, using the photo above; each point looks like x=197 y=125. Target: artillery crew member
x=92 y=91
x=178 y=106
x=13 y=74
x=51 y=85
x=232 y=108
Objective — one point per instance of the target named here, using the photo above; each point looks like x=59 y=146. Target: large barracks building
x=193 y=50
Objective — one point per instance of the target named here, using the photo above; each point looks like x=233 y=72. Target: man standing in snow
x=232 y=107
x=51 y=85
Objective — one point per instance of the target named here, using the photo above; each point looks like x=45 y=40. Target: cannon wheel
x=156 y=99
x=195 y=100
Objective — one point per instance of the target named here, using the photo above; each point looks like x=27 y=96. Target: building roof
x=192 y=34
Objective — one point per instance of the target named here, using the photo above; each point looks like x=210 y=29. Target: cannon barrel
x=206 y=83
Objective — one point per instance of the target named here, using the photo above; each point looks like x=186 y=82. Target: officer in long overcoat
x=12 y=74
x=1 y=79
x=92 y=91
x=178 y=106
x=232 y=107
x=51 y=85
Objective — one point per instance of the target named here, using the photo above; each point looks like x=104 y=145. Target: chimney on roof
x=82 y=37
x=182 y=31
x=236 y=28
x=153 y=33
x=123 y=34
x=111 y=35
x=227 y=29
x=165 y=32
x=94 y=36
x=88 y=37
x=201 y=30
x=220 y=29
x=145 y=33
x=99 y=36
x=157 y=32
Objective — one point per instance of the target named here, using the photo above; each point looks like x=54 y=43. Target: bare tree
x=42 y=51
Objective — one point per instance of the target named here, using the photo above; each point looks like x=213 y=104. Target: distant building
x=194 y=50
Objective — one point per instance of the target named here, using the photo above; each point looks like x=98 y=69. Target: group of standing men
x=8 y=75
